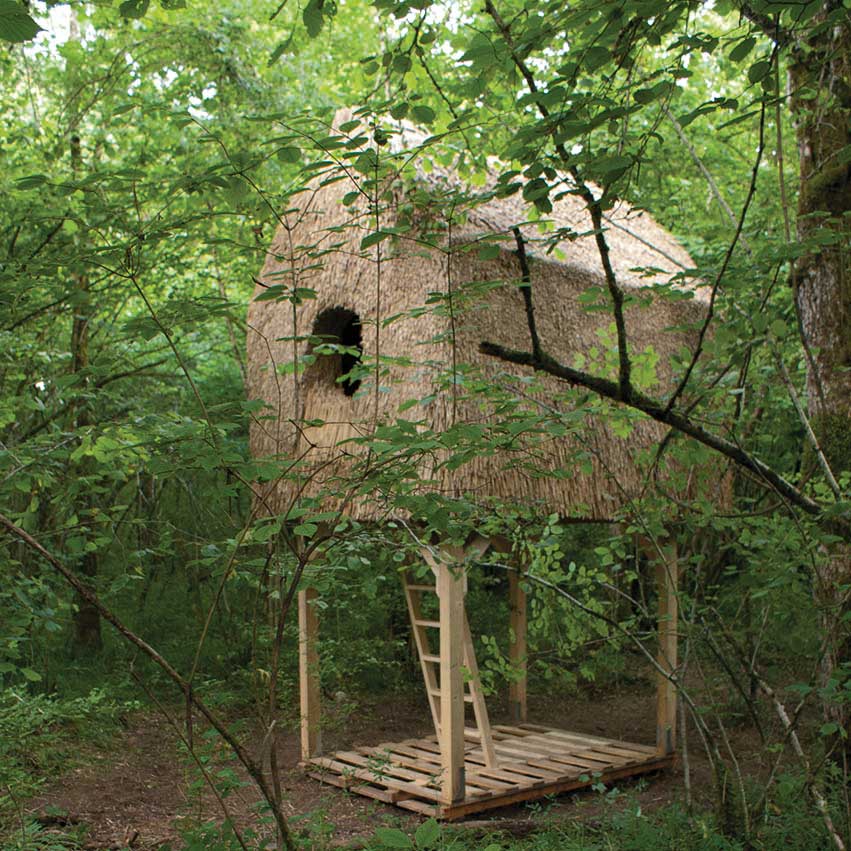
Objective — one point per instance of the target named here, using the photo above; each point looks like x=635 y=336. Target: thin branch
x=86 y=593
x=595 y=209
x=659 y=411
x=710 y=312
x=526 y=289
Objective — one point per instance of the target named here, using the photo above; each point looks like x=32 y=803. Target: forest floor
x=143 y=791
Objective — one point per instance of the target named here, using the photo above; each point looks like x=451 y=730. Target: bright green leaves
x=15 y=24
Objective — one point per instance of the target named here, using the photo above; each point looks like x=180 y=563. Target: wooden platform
x=534 y=761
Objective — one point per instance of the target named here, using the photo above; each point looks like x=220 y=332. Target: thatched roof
x=582 y=469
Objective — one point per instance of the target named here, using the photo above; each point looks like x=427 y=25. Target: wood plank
x=348 y=770
x=563 y=746
x=596 y=740
x=667 y=570
x=567 y=785
x=383 y=766
x=530 y=747
x=420 y=807
x=385 y=795
x=510 y=767
x=423 y=646
x=308 y=674
x=412 y=769
x=430 y=760
x=451 y=593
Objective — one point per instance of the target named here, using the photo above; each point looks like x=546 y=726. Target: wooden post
x=450 y=584
x=517 y=706
x=667 y=569
x=308 y=674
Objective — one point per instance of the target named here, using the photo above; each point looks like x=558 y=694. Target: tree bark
x=822 y=287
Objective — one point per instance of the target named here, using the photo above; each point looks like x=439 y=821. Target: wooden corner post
x=308 y=674
x=667 y=577
x=450 y=589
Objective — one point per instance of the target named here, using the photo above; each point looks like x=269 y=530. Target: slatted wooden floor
x=534 y=761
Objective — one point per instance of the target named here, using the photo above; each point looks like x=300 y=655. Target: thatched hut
x=402 y=294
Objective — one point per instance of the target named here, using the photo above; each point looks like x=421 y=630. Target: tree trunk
x=87 y=632
x=822 y=284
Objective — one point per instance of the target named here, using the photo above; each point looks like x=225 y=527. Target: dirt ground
x=145 y=790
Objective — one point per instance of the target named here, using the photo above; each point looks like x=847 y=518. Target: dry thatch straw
x=425 y=299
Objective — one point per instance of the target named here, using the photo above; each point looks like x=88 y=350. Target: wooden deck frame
x=462 y=770
x=534 y=762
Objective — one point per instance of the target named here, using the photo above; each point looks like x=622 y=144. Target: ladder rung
x=434 y=624
x=432 y=588
x=427 y=657
x=435 y=692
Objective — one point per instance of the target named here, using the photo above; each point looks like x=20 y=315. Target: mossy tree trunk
x=821 y=81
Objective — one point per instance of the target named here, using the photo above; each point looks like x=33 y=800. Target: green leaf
x=424 y=114
x=402 y=63
x=742 y=49
x=289 y=154
x=759 y=70
x=778 y=328
x=134 y=8
x=312 y=17
x=31 y=181
x=427 y=834
x=366 y=162
x=596 y=57
x=374 y=238
x=15 y=24
x=306 y=529
x=31 y=675
x=390 y=837
x=279 y=50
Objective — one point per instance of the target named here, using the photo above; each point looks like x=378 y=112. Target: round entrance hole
x=341 y=328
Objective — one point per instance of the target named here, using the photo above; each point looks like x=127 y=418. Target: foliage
x=42 y=734
x=148 y=158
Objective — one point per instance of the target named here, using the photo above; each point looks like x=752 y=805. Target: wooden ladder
x=430 y=666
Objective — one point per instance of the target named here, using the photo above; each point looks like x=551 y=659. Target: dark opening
x=339 y=328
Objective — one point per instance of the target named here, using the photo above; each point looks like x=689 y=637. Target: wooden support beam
x=308 y=672
x=450 y=589
x=667 y=576
x=517 y=703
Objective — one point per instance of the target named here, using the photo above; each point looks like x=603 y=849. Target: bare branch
x=659 y=411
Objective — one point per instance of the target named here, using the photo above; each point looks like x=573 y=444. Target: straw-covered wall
x=424 y=307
